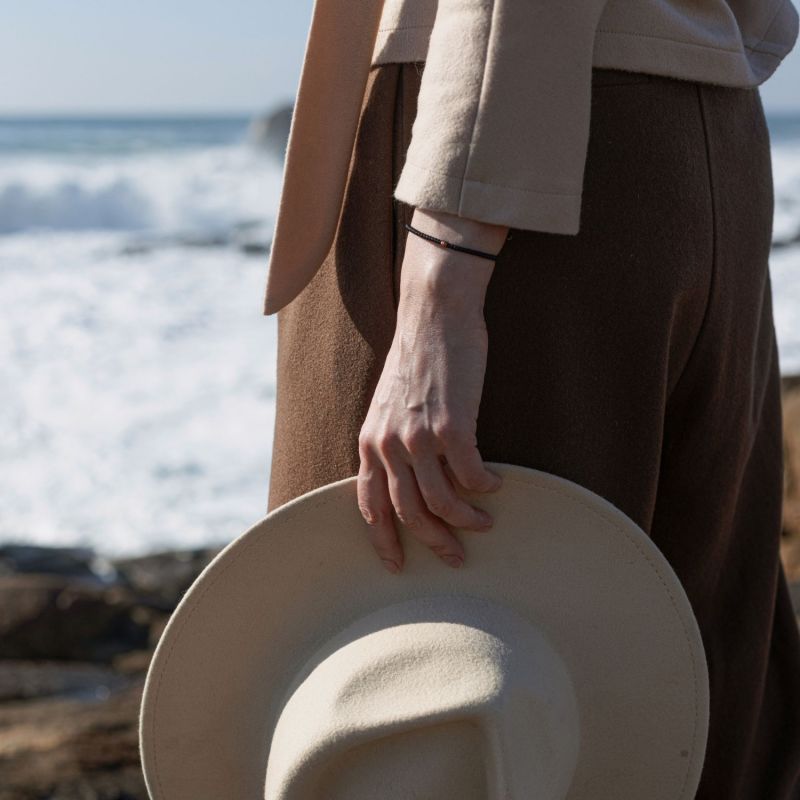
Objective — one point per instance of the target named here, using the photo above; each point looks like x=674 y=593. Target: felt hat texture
x=562 y=661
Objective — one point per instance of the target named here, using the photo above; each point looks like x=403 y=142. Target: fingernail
x=390 y=565
x=454 y=561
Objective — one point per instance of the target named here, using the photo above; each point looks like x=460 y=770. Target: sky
x=185 y=56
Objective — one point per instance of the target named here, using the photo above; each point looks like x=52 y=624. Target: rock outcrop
x=790 y=544
x=270 y=131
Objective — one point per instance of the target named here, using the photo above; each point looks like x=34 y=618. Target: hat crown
x=439 y=696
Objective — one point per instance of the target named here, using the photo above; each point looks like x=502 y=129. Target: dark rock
x=253 y=237
x=789 y=241
x=50 y=616
x=255 y=248
x=794 y=593
x=137 y=662
x=25 y=680
x=69 y=561
x=790 y=541
x=207 y=239
x=270 y=132
x=161 y=579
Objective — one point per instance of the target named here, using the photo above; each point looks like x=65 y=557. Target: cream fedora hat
x=562 y=661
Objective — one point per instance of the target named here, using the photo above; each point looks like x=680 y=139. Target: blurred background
x=140 y=165
x=141 y=150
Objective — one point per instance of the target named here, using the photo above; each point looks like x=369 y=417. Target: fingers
x=410 y=480
x=441 y=498
x=414 y=514
x=375 y=505
x=466 y=464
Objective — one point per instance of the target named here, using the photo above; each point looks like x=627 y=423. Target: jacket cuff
x=528 y=209
x=501 y=129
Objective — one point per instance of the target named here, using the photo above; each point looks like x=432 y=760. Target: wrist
x=446 y=283
x=462 y=231
x=442 y=282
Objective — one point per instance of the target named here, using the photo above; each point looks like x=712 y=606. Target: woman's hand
x=425 y=406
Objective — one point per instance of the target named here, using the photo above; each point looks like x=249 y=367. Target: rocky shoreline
x=76 y=637
x=77 y=633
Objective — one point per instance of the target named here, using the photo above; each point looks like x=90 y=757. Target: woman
x=611 y=164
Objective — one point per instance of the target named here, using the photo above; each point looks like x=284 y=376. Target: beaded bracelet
x=443 y=243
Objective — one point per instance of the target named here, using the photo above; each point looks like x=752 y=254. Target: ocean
x=137 y=370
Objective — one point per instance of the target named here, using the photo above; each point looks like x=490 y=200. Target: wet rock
x=253 y=237
x=161 y=579
x=80 y=562
x=56 y=617
x=26 y=680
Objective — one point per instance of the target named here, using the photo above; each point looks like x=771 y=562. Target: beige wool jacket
x=502 y=123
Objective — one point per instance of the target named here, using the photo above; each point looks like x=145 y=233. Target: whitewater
x=136 y=368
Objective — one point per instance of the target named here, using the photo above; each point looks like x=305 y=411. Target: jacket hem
x=695 y=62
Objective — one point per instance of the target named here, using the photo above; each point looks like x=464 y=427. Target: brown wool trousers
x=637 y=358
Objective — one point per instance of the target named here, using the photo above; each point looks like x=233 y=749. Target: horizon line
x=144 y=113
x=138 y=113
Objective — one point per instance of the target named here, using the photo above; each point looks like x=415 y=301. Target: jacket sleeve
x=502 y=123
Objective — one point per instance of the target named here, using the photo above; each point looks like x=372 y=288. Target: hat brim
x=591 y=579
